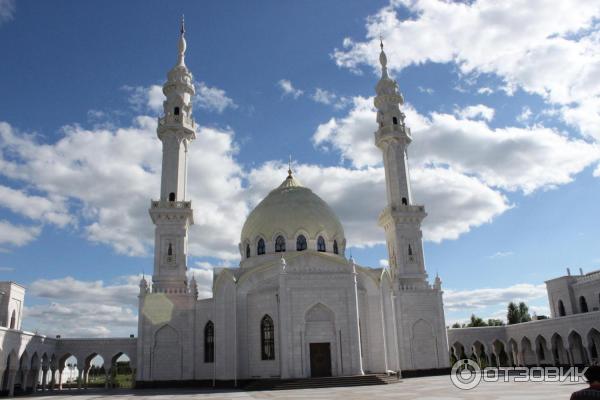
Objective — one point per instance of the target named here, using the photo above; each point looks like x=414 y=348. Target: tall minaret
x=172 y=214
x=400 y=218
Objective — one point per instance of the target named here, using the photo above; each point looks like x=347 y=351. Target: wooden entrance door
x=320 y=359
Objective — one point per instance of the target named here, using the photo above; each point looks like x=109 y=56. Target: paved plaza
x=428 y=388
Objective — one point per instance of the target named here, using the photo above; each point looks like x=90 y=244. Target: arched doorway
x=321 y=343
x=95 y=374
x=121 y=372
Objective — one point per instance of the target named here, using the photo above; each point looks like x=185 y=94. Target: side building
x=571 y=336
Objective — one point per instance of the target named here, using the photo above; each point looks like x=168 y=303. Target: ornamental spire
x=290 y=167
x=382 y=59
x=182 y=44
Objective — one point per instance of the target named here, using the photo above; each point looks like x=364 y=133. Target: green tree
x=512 y=314
x=517 y=313
x=524 y=312
x=456 y=325
x=476 y=321
x=495 y=322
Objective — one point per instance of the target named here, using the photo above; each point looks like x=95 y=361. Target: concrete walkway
x=429 y=388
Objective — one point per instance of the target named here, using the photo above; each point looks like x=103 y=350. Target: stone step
x=313 y=383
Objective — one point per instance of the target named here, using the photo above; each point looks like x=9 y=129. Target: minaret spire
x=290 y=167
x=173 y=214
x=182 y=43
x=400 y=219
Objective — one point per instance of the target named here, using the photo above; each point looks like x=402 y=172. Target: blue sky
x=504 y=114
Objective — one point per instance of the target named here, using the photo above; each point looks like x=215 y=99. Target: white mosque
x=296 y=306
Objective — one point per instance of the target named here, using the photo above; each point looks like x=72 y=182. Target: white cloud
x=212 y=98
x=6 y=269
x=76 y=308
x=112 y=174
x=525 y=115
x=511 y=158
x=478 y=111
x=326 y=97
x=485 y=90
x=501 y=254
x=38 y=208
x=548 y=47
x=7 y=10
x=288 y=88
x=426 y=90
x=17 y=235
x=461 y=300
x=144 y=99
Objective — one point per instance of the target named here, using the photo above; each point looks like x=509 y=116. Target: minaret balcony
x=177 y=120
x=402 y=213
x=394 y=132
x=170 y=204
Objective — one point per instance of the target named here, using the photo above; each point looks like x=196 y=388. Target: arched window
x=561 y=309
x=321 y=244
x=404 y=201
x=280 y=244
x=176 y=111
x=395 y=120
x=267 y=338
x=410 y=250
x=583 y=304
x=209 y=342
x=301 y=243
x=335 y=247
x=13 y=320
x=247 y=251
x=260 y=247
x=170 y=250
x=171 y=196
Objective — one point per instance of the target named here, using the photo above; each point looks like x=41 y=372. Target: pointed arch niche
x=166 y=355
x=320 y=328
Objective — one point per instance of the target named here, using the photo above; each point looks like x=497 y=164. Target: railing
x=170 y=204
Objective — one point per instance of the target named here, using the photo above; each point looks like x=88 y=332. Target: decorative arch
x=13 y=320
x=301 y=243
x=319 y=313
x=583 y=307
x=260 y=247
x=561 y=309
x=209 y=342
x=321 y=244
x=593 y=339
x=267 y=338
x=247 y=250
x=559 y=353
x=577 y=349
x=336 y=249
x=166 y=354
x=541 y=349
x=279 y=244
x=423 y=346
